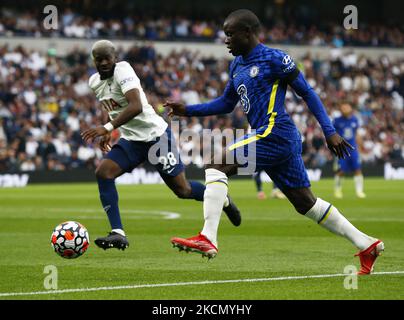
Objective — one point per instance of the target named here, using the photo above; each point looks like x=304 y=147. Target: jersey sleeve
x=282 y=65
x=127 y=78
x=92 y=81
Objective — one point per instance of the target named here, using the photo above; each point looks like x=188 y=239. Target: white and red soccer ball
x=70 y=239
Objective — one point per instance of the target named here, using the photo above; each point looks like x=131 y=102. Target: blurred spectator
x=75 y=24
x=44 y=108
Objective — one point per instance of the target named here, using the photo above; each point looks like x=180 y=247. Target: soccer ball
x=70 y=239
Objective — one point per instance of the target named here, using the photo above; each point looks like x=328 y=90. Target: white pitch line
x=177 y=284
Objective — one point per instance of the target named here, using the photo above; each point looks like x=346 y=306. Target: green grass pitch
x=272 y=242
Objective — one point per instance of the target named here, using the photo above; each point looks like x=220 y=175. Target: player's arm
x=105 y=141
x=284 y=68
x=132 y=110
x=224 y=104
x=339 y=146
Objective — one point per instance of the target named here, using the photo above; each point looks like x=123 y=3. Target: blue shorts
x=162 y=153
x=280 y=158
x=351 y=163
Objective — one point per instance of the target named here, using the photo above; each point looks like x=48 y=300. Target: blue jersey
x=259 y=81
x=347 y=128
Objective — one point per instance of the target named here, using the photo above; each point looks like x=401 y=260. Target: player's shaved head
x=241 y=28
x=102 y=46
x=245 y=19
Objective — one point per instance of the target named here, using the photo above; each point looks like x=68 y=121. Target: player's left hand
x=90 y=134
x=105 y=143
x=339 y=146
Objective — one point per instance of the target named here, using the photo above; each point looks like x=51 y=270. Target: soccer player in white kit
x=144 y=136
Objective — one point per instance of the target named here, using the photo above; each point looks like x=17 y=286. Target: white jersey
x=147 y=125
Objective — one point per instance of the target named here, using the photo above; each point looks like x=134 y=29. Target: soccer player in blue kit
x=347 y=126
x=258 y=77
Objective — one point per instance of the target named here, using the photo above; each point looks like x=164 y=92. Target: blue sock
x=109 y=200
x=258 y=181
x=197 y=190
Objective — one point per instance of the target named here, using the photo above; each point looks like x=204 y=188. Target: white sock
x=213 y=201
x=120 y=231
x=330 y=218
x=358 y=183
x=337 y=181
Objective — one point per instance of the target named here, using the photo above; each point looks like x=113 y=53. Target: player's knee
x=103 y=172
x=183 y=192
x=214 y=166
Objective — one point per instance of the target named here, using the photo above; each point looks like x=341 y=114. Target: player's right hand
x=175 y=108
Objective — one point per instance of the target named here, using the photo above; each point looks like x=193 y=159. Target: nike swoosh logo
x=171 y=170
x=106 y=208
x=234 y=75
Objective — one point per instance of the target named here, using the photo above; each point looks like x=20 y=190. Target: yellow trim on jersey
x=271 y=123
x=271 y=104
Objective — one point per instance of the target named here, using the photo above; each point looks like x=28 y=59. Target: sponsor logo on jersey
x=289 y=68
x=126 y=80
x=245 y=102
x=110 y=104
x=254 y=71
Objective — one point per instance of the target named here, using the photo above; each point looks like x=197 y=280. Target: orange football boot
x=368 y=257
x=199 y=244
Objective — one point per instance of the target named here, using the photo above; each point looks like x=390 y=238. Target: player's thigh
x=178 y=184
x=225 y=162
x=291 y=177
x=290 y=174
x=163 y=154
x=252 y=153
x=127 y=154
x=108 y=169
x=355 y=161
x=344 y=166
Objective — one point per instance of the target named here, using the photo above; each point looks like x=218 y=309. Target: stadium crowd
x=76 y=25
x=45 y=103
